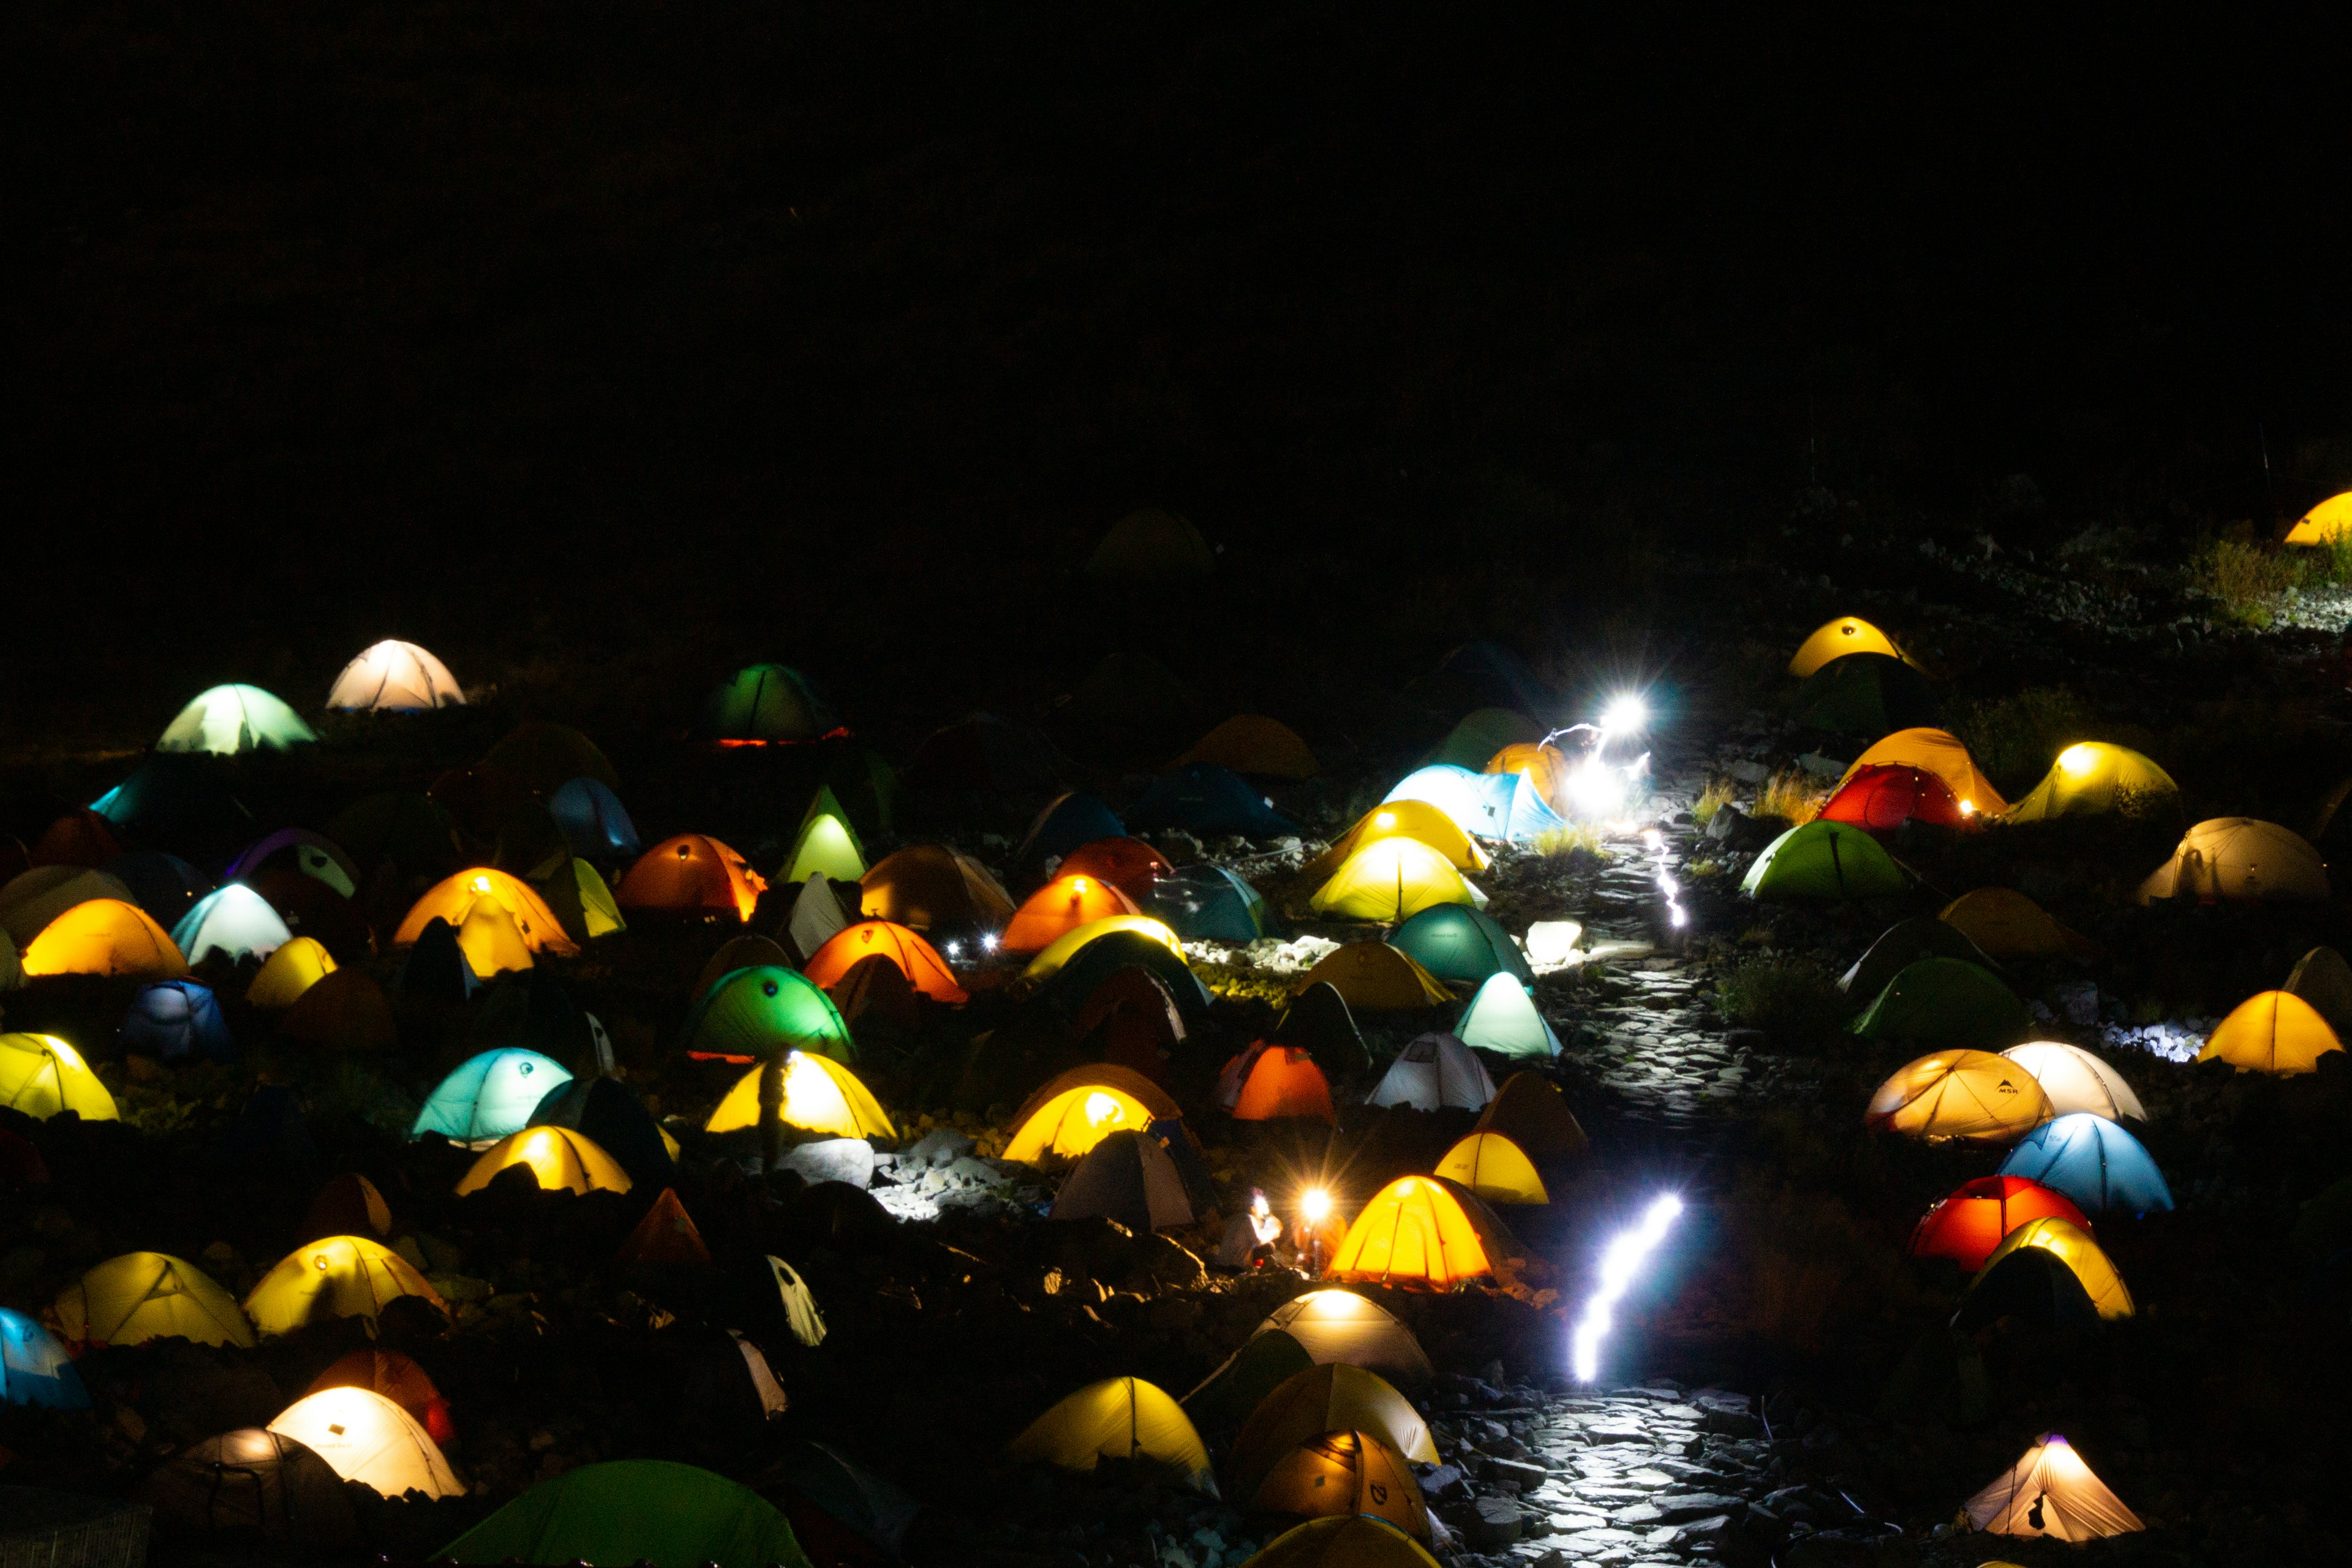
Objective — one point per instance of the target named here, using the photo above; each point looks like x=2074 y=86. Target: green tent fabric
x=1865 y=694
x=765 y=1010
x=1458 y=943
x=613 y=1515
x=1824 y=860
x=1483 y=733
x=1502 y=1018
x=1263 y=1363
x=827 y=846
x=228 y=720
x=1904 y=943
x=1947 y=1004
x=766 y=702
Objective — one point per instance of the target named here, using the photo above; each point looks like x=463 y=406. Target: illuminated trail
x=1627 y=1250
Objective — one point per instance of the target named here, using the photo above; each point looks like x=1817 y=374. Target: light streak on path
x=1626 y=1252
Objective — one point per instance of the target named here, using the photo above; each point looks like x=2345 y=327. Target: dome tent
x=296 y=966
x=2048 y=1272
x=166 y=886
x=2091 y=777
x=314 y=855
x=1373 y=977
x=2005 y=924
x=1127 y=1178
x=1066 y=822
x=913 y=957
x=1270 y=1082
x=558 y=1160
x=1208 y=801
x=399 y=1379
x=1059 y=908
x=2074 y=1080
x=1343 y=1540
x=489 y=1096
x=2238 y=859
x=1463 y=945
x=766 y=702
x=581 y=901
x=104 y=936
x=1887 y=796
x=1390 y=880
x=1836 y=639
x=234 y=922
x=1492 y=805
x=1533 y=1113
x=1320 y=1023
x=1434 y=1072
x=1824 y=860
x=2325 y=523
x=1480 y=733
x=1938 y=751
x=2322 y=978
x=1970 y=1225
x=41 y=1076
x=2093 y=1161
x=1342 y=1326
x=821 y=1095
x=2051 y=1493
x=34 y=1369
x=692 y=874
x=395 y=676
x=928 y=887
x=1094 y=956
x=175 y=1018
x=34 y=899
x=2273 y=1032
x=763 y=1010
x=228 y=720
x=347 y=1009
x=1066 y=1118
x=1414 y=819
x=143 y=1296
x=1497 y=1169
x=631 y=1511
x=460 y=899
x=1152 y=545
x=252 y=1480
x=665 y=1234
x=1345 y=1474
x=1130 y=865
x=608 y=1112
x=1330 y=1396
x=1119 y=1418
x=79 y=837
x=179 y=803
x=593 y=822
x=1265 y=1361
x=365 y=1437
x=825 y=847
x=1901 y=944
x=1207 y=902
x=348 y=1204
x=1423 y=1230
x=1946 y=1002
x=1255 y=744
x=1865 y=694
x=542 y=757
x=1502 y=1018
x=1973 y=1096
x=339 y=1277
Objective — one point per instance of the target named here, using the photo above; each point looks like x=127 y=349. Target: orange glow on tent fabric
x=1127 y=864
x=1063 y=905
x=1545 y=767
x=916 y=959
x=692 y=873
x=1285 y=1082
x=104 y=936
x=558 y=1160
x=1973 y=1096
x=1418 y=1230
x=1970 y=1224
x=1068 y=1125
x=1884 y=796
x=454 y=899
x=1938 y=751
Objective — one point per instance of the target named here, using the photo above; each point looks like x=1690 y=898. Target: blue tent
x=166 y=886
x=1207 y=903
x=1454 y=941
x=489 y=1096
x=1068 y=821
x=1490 y=806
x=234 y=922
x=436 y=969
x=268 y=1133
x=1202 y=798
x=35 y=1368
x=595 y=822
x=173 y=1019
x=2092 y=1160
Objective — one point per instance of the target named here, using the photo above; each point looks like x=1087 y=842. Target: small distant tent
x=1066 y=1118
x=234 y=921
x=143 y=1296
x=821 y=1095
x=348 y=1204
x=1152 y=545
x=482 y=892
x=489 y=1096
x=1865 y=694
x=558 y=1159
x=826 y=847
x=1343 y=1540
x=542 y=757
x=763 y=703
x=665 y=1235
x=928 y=887
x=104 y=936
x=2325 y=523
x=1940 y=753
x=919 y=961
x=1345 y=1474
x=41 y=1076
x=1207 y=902
x=1059 y=908
x=1064 y=949
x=1973 y=1096
x=2240 y=860
x=1415 y=820
x=1390 y=880
x=2322 y=978
x=691 y=874
x=179 y=803
x=2273 y=1032
x=293 y=969
x=2074 y=1080
x=1886 y=796
x=399 y=1379
x=1119 y=1418
x=1497 y=1169
x=34 y=1367
x=581 y=902
x=339 y=1277
x=1373 y=977
x=1483 y=732
x=635 y=1510
x=1502 y=1018
x=1902 y=944
x=1970 y=1225
x=1946 y=1002
x=1836 y=639
x=594 y=821
x=1254 y=743
x=821 y=911
x=228 y=720
x=1341 y=1326
x=2005 y=924
x=2092 y=777
x=1095 y=957
x=1208 y=800
x=1130 y=865
x=1265 y=1360
x=1331 y=1397
x=314 y=855
x=1435 y=1072
x=1127 y=1178
x=367 y=1439
x=1460 y=944
x=1278 y=1081
x=173 y=1019
x=254 y=1482
x=2098 y=1164
x=395 y=676
x=1826 y=860
x=2051 y=1493
x=760 y=1011
x=1424 y=1231
x=1532 y=1112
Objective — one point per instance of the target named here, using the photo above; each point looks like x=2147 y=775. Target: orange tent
x=2273 y=1032
x=1937 y=751
x=1545 y=767
x=1254 y=743
x=1127 y=864
x=1970 y=1225
x=1060 y=907
x=928 y=887
x=666 y=1235
x=104 y=936
x=1975 y=1096
x=1285 y=1082
x=691 y=874
x=916 y=959
x=486 y=891
x=1424 y=1231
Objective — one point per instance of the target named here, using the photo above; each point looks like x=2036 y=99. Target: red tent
x=1966 y=1227
x=1884 y=796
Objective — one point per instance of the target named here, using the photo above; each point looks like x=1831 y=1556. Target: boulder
x=846 y=1160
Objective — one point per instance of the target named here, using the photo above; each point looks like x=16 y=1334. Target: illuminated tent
x=393 y=677
x=581 y=902
x=1152 y=545
x=1837 y=639
x=234 y=922
x=483 y=891
x=34 y=1369
x=347 y=1009
x=339 y=1277
x=1208 y=801
x=177 y=1018
x=1118 y=1418
x=1531 y=1111
x=1065 y=1121
x=1340 y=1326
x=251 y=1482
x=1269 y=1082
x=1434 y=1072
x=557 y=1158
x=1130 y=865
x=42 y=1076
x=32 y=899
x=2051 y=1494
x=665 y=1235
x=489 y=1096
x=2273 y=1032
x=2074 y=1080
x=1343 y=1540
x=820 y=1096
x=399 y=1379
x=1373 y=977
x=104 y=936
x=1460 y=944
x=1885 y=796
x=1827 y=860
x=1940 y=753
x=1946 y=1002
x=1502 y=1018
x=366 y=1437
x=143 y=1296
x=1491 y=806
x=1414 y=819
x=1480 y=733
x=635 y=1510
x=1062 y=906
x=2322 y=978
x=1974 y=1096
x=1390 y=880
x=1423 y=1230
x=2005 y=924
x=1497 y=1169
x=2094 y=1162
x=298 y=964
x=1345 y=1474
x=543 y=757
x=825 y=847
x=608 y=1112
x=1903 y=944
x=691 y=874
x=1206 y=902
x=228 y=720
x=764 y=702
x=2092 y=776
x=760 y=1011
x=2047 y=1271
x=1330 y=1396
x=1970 y=1225
x=1127 y=1178
x=1254 y=743
x=928 y=887
x=2237 y=859
x=594 y=821
x=1865 y=694
x=1066 y=948
x=2325 y=523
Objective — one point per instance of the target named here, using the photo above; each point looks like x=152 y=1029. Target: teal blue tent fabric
x=615 y=1514
x=235 y=922
x=594 y=823
x=1488 y=805
x=1946 y=1002
x=1206 y=902
x=1068 y=821
x=35 y=1368
x=489 y=1096
x=1456 y=942
x=1205 y=799
x=1502 y=1018
x=2094 y=1162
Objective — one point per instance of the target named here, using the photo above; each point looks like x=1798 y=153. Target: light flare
x=1625 y=1253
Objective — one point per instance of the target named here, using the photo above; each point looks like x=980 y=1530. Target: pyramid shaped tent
x=2049 y=1493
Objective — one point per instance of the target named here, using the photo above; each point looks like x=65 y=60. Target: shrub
x=1794 y=999
x=2244 y=577
x=1793 y=794
x=1712 y=798
x=2331 y=563
x=2015 y=739
x=1576 y=838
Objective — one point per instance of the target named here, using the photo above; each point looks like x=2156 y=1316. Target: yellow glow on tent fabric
x=339 y=1276
x=41 y=1076
x=1835 y=639
x=2274 y=1031
x=1073 y=1121
x=1343 y=1540
x=825 y=847
x=1373 y=977
x=1118 y=1418
x=365 y=1437
x=1328 y=1397
x=2049 y=1493
x=1974 y=1096
x=143 y=1296
x=1495 y=1168
x=2241 y=860
x=1940 y=753
x=2071 y=1244
x=1334 y=1325
x=2005 y=924
x=1415 y=820
x=1390 y=880
x=557 y=1157
x=820 y=1096
x=2325 y=523
x=1049 y=962
x=1345 y=1473
x=104 y=936
x=492 y=943
x=1415 y=1231
x=290 y=970
x=455 y=899
x=2074 y=1080
x=2092 y=776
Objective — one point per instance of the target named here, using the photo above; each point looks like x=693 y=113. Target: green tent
x=766 y=702
x=1904 y=943
x=765 y=1010
x=1263 y=1363
x=1483 y=733
x=1945 y=1003
x=613 y=1515
x=1502 y=1018
x=1865 y=694
x=228 y=720
x=827 y=846
x=1824 y=860
x=1454 y=941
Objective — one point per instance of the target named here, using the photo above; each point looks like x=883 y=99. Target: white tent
x=1434 y=1072
x=2051 y=1493
x=366 y=1437
x=1127 y=1178
x=2075 y=1079
x=396 y=677
x=816 y=918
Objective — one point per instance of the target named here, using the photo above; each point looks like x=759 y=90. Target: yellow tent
x=1937 y=751
x=1073 y=1121
x=2325 y=523
x=41 y=1076
x=1373 y=977
x=2094 y=776
x=820 y=1096
x=1847 y=633
x=1415 y=820
x=341 y=1276
x=1392 y=880
x=1331 y=1397
x=1254 y=743
x=1065 y=947
x=492 y=941
x=1423 y=1230
x=825 y=847
x=364 y=1436
x=557 y=1157
x=288 y=973
x=482 y=889
x=2051 y=1494
x=1118 y=1418
x=1341 y=1326
x=1495 y=1168
x=143 y=1296
x=2005 y=924
x=2071 y=1244
x=1345 y=1473
x=1344 y=1541
x=1971 y=1095
x=2274 y=1032
x=2238 y=859
x=104 y=936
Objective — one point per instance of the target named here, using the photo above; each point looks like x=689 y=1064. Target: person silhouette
x=2033 y=1515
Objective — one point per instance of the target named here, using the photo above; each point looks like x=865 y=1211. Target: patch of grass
x=2015 y=739
x=2244 y=577
x=2330 y=564
x=1791 y=998
x=1792 y=794
x=1576 y=838
x=1712 y=799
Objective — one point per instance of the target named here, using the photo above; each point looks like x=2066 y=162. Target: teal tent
x=766 y=702
x=764 y=1011
x=1947 y=1004
x=1206 y=902
x=228 y=720
x=1824 y=860
x=1455 y=942
x=234 y=921
x=489 y=1096
x=2094 y=1162
x=629 y=1510
x=1502 y=1018
x=1865 y=694
x=35 y=1368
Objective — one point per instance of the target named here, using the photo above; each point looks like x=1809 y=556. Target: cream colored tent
x=2051 y=1493
x=1342 y=1326
x=2240 y=861
x=366 y=1437
x=395 y=676
x=2075 y=1079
